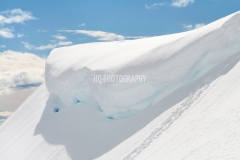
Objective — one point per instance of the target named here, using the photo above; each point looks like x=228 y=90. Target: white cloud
x=101 y=35
x=64 y=43
x=20 y=71
x=46 y=47
x=6 y=33
x=27 y=45
x=5 y=114
x=2 y=46
x=154 y=6
x=199 y=25
x=42 y=47
x=175 y=3
x=187 y=26
x=182 y=3
x=42 y=30
x=20 y=35
x=15 y=16
x=60 y=37
x=190 y=26
x=82 y=25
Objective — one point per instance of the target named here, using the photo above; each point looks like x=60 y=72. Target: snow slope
x=205 y=125
x=188 y=108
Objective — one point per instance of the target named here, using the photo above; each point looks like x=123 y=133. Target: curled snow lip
x=168 y=62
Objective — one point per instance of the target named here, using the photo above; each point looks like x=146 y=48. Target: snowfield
x=188 y=108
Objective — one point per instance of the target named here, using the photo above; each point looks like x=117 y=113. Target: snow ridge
x=168 y=62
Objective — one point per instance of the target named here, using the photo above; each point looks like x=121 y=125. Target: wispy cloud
x=182 y=3
x=101 y=35
x=27 y=45
x=82 y=25
x=19 y=35
x=64 y=43
x=60 y=37
x=187 y=26
x=40 y=30
x=46 y=47
x=20 y=71
x=190 y=26
x=6 y=33
x=175 y=3
x=199 y=25
x=42 y=47
x=52 y=45
x=155 y=5
x=2 y=46
x=15 y=16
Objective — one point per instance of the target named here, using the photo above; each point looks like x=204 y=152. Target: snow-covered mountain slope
x=187 y=109
x=205 y=125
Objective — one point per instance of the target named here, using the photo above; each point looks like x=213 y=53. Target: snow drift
x=168 y=62
x=187 y=109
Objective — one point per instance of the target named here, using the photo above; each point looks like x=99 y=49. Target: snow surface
x=168 y=62
x=189 y=108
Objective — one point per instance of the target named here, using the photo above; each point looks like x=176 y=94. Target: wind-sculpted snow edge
x=168 y=62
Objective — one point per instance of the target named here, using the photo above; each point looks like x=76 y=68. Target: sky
x=39 y=26
x=29 y=30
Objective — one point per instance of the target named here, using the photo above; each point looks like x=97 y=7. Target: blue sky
x=38 y=26
x=41 y=25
